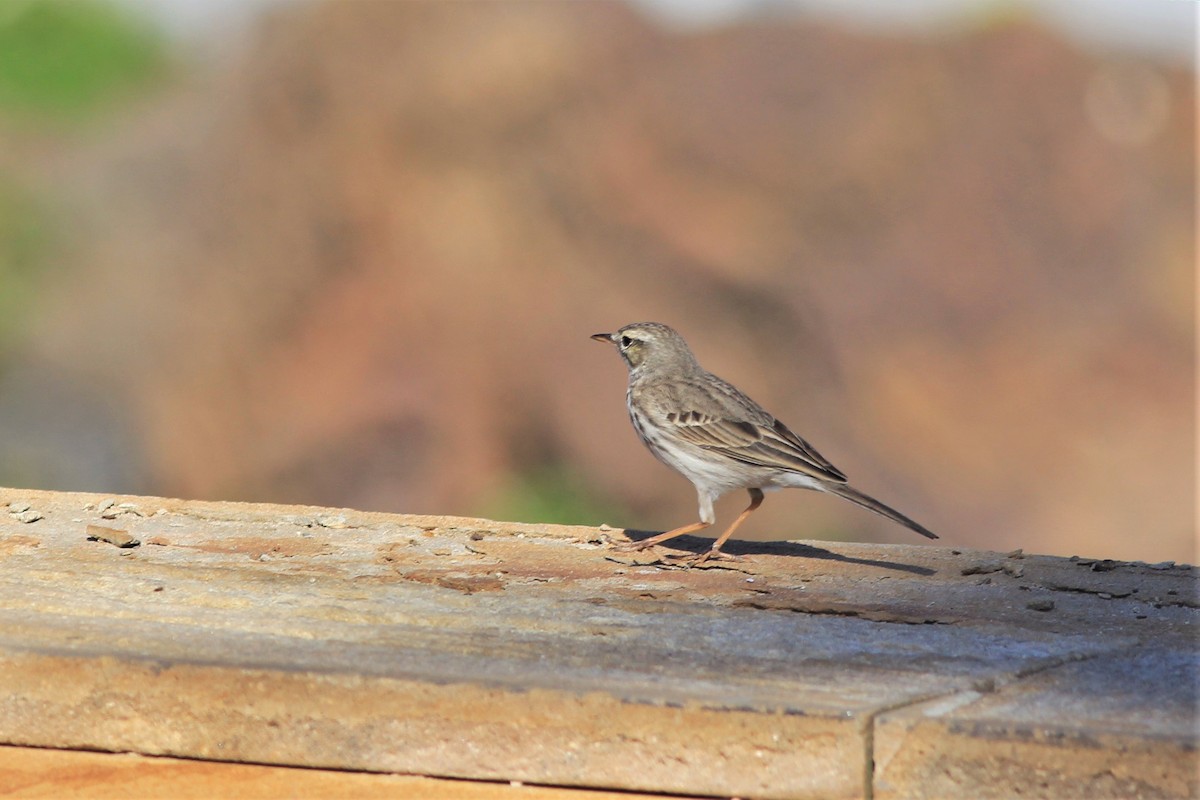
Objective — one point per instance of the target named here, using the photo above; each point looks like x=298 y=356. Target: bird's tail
x=871 y=504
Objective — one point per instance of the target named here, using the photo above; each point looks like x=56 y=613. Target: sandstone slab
x=465 y=648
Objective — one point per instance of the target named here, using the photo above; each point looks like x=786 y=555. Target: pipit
x=717 y=437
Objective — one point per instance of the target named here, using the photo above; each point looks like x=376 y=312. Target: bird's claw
x=698 y=559
x=716 y=555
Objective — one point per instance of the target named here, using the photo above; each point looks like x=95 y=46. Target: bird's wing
x=735 y=426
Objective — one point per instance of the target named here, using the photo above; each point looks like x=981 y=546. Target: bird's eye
x=626 y=341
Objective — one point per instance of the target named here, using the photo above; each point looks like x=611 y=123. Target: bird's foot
x=707 y=556
x=632 y=547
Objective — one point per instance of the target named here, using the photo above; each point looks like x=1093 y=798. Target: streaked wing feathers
x=773 y=447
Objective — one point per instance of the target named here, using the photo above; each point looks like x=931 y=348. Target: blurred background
x=350 y=253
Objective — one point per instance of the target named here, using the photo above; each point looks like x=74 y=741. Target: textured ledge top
x=470 y=648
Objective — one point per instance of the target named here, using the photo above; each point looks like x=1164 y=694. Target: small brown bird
x=717 y=437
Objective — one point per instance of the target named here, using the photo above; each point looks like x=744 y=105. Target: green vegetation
x=550 y=494
x=65 y=60
x=25 y=239
x=62 y=63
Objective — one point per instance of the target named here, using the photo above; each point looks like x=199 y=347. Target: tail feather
x=871 y=504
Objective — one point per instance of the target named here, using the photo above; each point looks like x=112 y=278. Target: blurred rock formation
x=360 y=267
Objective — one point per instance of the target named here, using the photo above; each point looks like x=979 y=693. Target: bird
x=718 y=438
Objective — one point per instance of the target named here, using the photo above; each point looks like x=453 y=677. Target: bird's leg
x=756 y=498
x=662 y=537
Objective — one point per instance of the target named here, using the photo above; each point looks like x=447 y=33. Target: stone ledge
x=466 y=648
x=41 y=774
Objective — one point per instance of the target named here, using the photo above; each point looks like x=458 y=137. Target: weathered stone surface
x=1115 y=725
x=466 y=648
x=37 y=774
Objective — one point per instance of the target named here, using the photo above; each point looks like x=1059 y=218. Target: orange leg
x=756 y=498
x=662 y=537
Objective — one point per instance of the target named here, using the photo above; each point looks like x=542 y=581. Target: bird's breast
x=706 y=471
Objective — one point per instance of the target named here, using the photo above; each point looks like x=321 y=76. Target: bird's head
x=650 y=347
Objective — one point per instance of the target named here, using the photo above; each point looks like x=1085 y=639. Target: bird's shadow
x=741 y=548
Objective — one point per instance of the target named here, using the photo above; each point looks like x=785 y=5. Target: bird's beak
x=604 y=337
